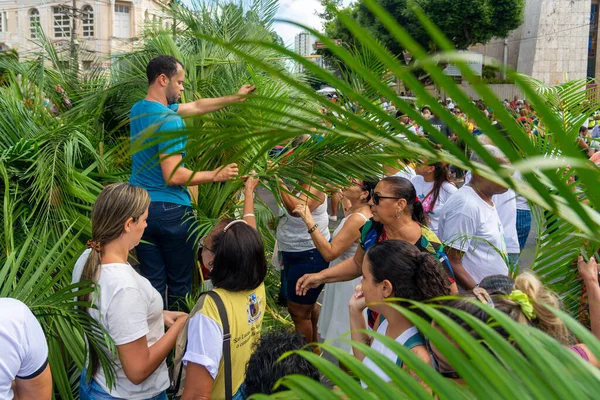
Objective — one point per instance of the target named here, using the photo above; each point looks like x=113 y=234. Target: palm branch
x=37 y=271
x=531 y=365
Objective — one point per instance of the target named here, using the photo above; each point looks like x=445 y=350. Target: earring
x=398 y=214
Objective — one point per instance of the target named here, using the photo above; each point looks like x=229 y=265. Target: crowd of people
x=416 y=234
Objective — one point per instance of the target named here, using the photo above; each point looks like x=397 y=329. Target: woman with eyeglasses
x=394 y=269
x=526 y=302
x=333 y=324
x=397 y=215
x=234 y=253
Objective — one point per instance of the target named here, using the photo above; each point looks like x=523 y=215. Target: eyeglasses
x=376 y=197
x=436 y=363
x=202 y=245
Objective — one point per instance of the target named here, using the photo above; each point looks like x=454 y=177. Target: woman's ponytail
x=430 y=278
x=540 y=316
x=414 y=275
x=90 y=272
x=418 y=213
x=115 y=205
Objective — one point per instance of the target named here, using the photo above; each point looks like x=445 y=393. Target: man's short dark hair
x=162 y=65
x=263 y=369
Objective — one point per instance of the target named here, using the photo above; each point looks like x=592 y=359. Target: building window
x=3 y=21
x=34 y=22
x=88 y=21
x=122 y=21
x=87 y=65
x=62 y=23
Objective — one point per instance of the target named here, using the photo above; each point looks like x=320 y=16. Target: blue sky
x=302 y=11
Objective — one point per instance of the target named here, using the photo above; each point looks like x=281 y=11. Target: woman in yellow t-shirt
x=234 y=253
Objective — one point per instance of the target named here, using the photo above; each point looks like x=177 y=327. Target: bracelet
x=315 y=226
x=248 y=215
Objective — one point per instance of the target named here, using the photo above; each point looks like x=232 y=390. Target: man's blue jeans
x=168 y=260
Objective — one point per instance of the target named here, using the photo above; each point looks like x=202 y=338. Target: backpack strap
x=181 y=346
x=226 y=343
x=413 y=341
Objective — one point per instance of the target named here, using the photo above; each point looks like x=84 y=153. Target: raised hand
x=357 y=302
x=245 y=91
x=251 y=182
x=301 y=211
x=588 y=270
x=226 y=172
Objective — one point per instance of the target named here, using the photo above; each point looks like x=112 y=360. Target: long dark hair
x=414 y=275
x=403 y=188
x=369 y=185
x=440 y=175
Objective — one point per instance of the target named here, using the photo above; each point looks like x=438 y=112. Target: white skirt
x=334 y=320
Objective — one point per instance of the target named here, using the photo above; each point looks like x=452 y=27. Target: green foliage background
x=53 y=167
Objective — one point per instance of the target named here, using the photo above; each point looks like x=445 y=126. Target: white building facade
x=304 y=45
x=104 y=28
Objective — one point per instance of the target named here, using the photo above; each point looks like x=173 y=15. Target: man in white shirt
x=24 y=369
x=471 y=229
x=506 y=206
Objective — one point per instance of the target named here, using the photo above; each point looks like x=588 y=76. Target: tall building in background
x=304 y=45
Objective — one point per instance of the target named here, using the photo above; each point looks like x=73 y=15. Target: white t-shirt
x=406 y=172
x=23 y=348
x=128 y=308
x=292 y=235
x=426 y=197
x=466 y=219
x=506 y=206
x=522 y=203
x=383 y=350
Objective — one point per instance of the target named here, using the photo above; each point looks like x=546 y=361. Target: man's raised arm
x=205 y=106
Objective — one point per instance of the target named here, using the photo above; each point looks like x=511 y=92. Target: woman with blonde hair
x=527 y=302
x=127 y=306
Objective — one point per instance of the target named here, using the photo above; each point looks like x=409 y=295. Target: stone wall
x=557 y=50
x=552 y=43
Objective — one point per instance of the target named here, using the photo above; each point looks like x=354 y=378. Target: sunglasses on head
x=376 y=197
